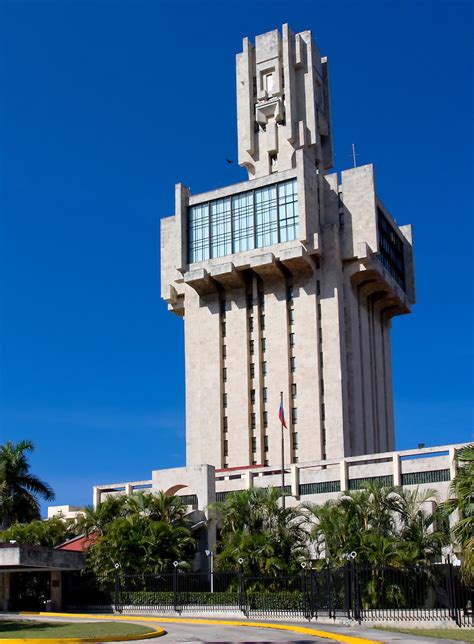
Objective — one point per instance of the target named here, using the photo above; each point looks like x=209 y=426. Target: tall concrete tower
x=286 y=282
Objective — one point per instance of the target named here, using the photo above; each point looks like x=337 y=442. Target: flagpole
x=282 y=456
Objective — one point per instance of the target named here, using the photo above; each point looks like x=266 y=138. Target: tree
x=143 y=533
x=254 y=527
x=358 y=521
x=50 y=533
x=462 y=501
x=19 y=489
x=385 y=526
x=421 y=533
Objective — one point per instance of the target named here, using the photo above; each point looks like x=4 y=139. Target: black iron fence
x=355 y=592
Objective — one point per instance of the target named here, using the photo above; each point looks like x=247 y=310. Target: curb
x=302 y=630
x=157 y=632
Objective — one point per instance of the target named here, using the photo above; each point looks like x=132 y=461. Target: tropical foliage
x=462 y=502
x=385 y=526
x=255 y=528
x=141 y=533
x=50 y=533
x=19 y=488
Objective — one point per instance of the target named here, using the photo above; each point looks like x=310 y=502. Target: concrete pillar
x=56 y=590
x=453 y=465
x=343 y=475
x=295 y=481
x=128 y=489
x=397 y=472
x=95 y=497
x=248 y=478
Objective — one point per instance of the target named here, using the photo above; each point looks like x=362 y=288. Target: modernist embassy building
x=288 y=282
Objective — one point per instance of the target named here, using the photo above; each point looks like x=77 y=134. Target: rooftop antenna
x=354 y=155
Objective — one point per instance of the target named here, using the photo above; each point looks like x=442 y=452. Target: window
x=252 y=396
x=220 y=224
x=254 y=445
x=295 y=440
x=225 y=424
x=252 y=370
x=249 y=300
x=245 y=221
x=265 y=443
x=294 y=415
x=319 y=310
x=318 y=287
x=226 y=448
x=264 y=368
x=293 y=364
x=252 y=346
x=264 y=345
x=262 y=322
x=321 y=361
x=261 y=299
x=292 y=339
x=293 y=391
x=321 y=385
x=251 y=323
x=223 y=326
x=224 y=400
x=291 y=316
x=198 y=233
x=224 y=374
x=253 y=421
x=323 y=412
x=264 y=394
x=265 y=463
x=269 y=83
x=288 y=210
x=265 y=419
x=224 y=351
x=320 y=336
x=391 y=249
x=266 y=216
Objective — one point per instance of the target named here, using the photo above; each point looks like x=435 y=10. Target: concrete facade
x=306 y=312
x=287 y=282
x=310 y=481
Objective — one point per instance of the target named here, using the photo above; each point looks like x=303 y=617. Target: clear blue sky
x=104 y=106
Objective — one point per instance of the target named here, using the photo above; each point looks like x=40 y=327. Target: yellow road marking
x=156 y=632
x=302 y=630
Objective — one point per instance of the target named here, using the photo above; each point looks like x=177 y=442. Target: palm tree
x=422 y=533
x=254 y=527
x=19 y=489
x=462 y=501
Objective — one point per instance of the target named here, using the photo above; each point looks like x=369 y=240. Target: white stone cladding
x=308 y=317
x=342 y=306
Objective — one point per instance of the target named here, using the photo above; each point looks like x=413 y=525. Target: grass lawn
x=459 y=634
x=31 y=629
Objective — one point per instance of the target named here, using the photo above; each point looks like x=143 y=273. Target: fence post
x=454 y=611
x=329 y=590
x=117 y=589
x=304 y=591
x=241 y=588
x=355 y=592
x=347 y=590
x=175 y=586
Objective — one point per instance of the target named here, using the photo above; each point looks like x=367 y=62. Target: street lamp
x=210 y=554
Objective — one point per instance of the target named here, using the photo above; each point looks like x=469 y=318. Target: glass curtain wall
x=242 y=222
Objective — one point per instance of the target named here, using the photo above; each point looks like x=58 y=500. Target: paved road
x=215 y=632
